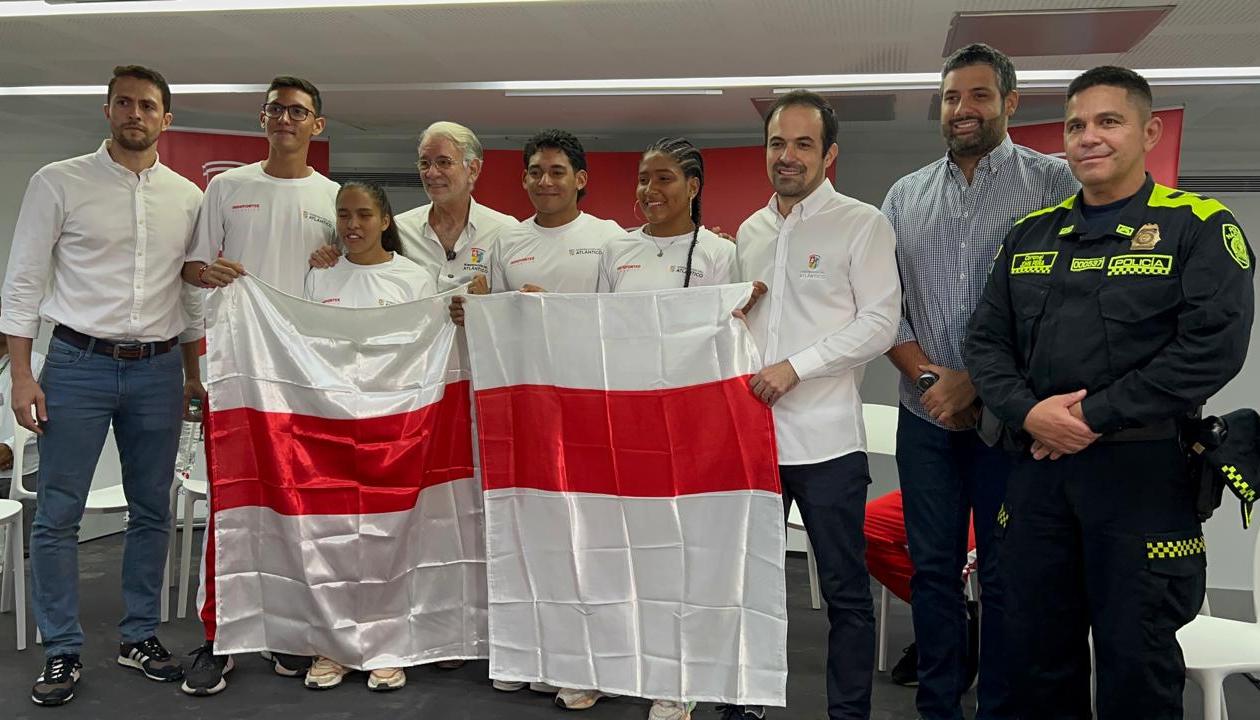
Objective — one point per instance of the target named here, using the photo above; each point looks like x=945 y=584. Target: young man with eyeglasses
x=264 y=220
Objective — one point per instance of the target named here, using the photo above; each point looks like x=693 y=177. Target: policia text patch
x=1140 y=265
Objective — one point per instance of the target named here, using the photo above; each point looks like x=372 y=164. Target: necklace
x=660 y=250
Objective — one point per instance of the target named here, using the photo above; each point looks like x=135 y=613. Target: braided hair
x=688 y=157
x=389 y=236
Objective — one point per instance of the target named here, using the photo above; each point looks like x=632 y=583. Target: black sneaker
x=205 y=677
x=55 y=685
x=906 y=671
x=288 y=665
x=741 y=712
x=150 y=658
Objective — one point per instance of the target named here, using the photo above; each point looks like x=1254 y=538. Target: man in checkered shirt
x=950 y=218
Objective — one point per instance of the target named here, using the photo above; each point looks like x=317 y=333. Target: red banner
x=735 y=185
x=1162 y=163
x=201 y=154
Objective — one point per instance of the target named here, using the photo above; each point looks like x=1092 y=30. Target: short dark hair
x=805 y=98
x=390 y=240
x=1134 y=85
x=562 y=140
x=140 y=72
x=297 y=83
x=981 y=54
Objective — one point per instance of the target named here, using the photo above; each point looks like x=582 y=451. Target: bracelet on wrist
x=201 y=276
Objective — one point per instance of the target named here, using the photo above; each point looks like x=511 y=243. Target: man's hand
x=724 y=235
x=194 y=389
x=759 y=289
x=964 y=419
x=530 y=287
x=774 y=382
x=26 y=392
x=325 y=256
x=952 y=393
x=478 y=286
x=1056 y=428
x=221 y=273
x=6 y=457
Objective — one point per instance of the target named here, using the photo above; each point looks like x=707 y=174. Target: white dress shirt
x=562 y=259
x=99 y=249
x=30 y=460
x=472 y=249
x=833 y=305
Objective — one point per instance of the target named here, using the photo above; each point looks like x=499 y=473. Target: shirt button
x=450 y=276
x=962 y=276
x=962 y=245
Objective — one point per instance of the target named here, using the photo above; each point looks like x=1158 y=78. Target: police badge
x=1235 y=244
x=1147 y=237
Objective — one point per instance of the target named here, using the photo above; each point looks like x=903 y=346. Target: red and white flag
x=634 y=522
x=346 y=513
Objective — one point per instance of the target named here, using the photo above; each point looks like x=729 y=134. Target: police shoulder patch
x=1235 y=244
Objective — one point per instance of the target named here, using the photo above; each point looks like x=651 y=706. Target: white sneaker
x=544 y=688
x=386 y=679
x=514 y=685
x=325 y=674
x=670 y=710
x=571 y=699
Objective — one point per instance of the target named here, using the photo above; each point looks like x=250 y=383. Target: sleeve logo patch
x=1235 y=244
x=1034 y=263
x=1140 y=265
x=1083 y=264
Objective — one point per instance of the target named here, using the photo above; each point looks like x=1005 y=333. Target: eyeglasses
x=442 y=163
x=297 y=113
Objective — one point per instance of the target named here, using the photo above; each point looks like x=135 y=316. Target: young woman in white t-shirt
x=372 y=273
x=672 y=249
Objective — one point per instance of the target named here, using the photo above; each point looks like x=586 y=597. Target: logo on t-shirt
x=476 y=256
x=332 y=301
x=247 y=206
x=621 y=268
x=517 y=261
x=683 y=269
x=308 y=215
x=586 y=251
x=812 y=263
x=814 y=259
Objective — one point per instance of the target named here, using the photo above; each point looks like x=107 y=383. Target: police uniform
x=1150 y=313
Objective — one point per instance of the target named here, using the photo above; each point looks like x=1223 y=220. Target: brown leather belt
x=115 y=350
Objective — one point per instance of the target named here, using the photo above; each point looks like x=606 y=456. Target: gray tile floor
x=108 y=691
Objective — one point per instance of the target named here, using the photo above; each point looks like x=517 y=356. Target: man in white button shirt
x=833 y=305
x=97 y=251
x=264 y=219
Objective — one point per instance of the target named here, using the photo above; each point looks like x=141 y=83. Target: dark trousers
x=1105 y=539
x=832 y=498
x=945 y=476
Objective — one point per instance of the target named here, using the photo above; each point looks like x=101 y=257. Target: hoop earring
x=635 y=212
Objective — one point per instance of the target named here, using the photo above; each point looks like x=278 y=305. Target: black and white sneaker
x=205 y=677
x=55 y=685
x=150 y=658
x=741 y=712
x=288 y=665
x=906 y=671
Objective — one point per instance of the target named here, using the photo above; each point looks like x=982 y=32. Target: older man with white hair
x=453 y=235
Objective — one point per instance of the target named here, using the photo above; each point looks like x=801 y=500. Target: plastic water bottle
x=191 y=435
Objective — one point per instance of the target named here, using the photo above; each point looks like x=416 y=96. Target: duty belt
x=1163 y=430
x=115 y=350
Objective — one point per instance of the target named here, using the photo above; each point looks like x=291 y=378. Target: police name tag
x=1140 y=265
x=1034 y=263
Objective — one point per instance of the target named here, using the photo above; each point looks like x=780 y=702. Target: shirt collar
x=812 y=203
x=991 y=162
x=102 y=155
x=1130 y=219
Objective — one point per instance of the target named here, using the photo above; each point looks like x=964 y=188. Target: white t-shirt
x=270 y=225
x=359 y=286
x=640 y=261
x=472 y=248
x=564 y=259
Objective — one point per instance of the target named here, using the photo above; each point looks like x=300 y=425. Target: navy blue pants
x=832 y=498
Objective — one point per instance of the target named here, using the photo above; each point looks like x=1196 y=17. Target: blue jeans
x=945 y=476
x=832 y=498
x=85 y=392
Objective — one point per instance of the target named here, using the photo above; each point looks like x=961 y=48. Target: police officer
x=1105 y=320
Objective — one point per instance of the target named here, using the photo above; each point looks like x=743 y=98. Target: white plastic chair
x=14 y=570
x=193 y=490
x=101 y=501
x=1215 y=648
